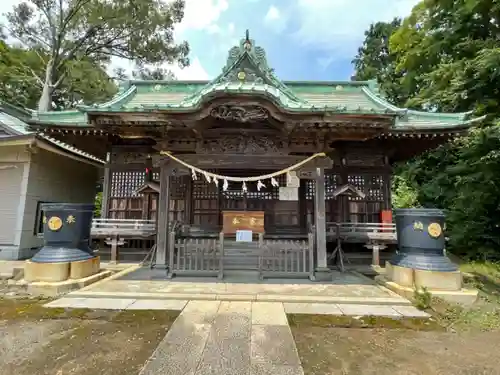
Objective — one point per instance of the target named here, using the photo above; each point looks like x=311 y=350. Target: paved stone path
x=230 y=337
x=212 y=337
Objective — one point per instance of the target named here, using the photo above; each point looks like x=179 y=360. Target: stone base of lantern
x=445 y=285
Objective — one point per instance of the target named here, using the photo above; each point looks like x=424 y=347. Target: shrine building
x=246 y=171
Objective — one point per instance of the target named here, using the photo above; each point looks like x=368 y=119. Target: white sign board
x=292 y=180
x=288 y=194
x=243 y=236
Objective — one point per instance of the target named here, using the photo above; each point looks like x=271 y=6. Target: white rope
x=215 y=176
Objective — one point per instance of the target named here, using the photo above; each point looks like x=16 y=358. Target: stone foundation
x=445 y=285
x=62 y=271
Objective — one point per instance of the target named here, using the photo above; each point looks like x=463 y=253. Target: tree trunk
x=45 y=102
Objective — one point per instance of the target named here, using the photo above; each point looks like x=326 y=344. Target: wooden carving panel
x=243 y=144
x=364 y=159
x=242 y=220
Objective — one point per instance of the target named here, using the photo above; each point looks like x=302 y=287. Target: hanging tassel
x=225 y=185
x=274 y=182
x=207 y=177
x=244 y=187
x=193 y=174
x=216 y=182
x=288 y=178
x=260 y=185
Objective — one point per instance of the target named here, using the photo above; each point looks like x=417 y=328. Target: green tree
x=374 y=61
x=71 y=31
x=454 y=48
x=84 y=82
x=153 y=73
x=445 y=56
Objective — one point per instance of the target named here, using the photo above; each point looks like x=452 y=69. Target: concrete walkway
x=212 y=337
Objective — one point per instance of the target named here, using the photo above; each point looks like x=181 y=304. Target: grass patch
x=343 y=321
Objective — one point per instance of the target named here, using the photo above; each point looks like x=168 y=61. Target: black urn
x=66 y=233
x=421 y=240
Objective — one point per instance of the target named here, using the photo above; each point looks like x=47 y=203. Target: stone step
x=263 y=297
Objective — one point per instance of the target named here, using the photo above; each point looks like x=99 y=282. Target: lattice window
x=331 y=183
x=124 y=184
x=375 y=188
x=358 y=181
x=310 y=189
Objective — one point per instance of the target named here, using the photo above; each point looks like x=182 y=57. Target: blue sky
x=304 y=39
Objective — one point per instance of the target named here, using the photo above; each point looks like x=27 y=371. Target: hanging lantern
x=225 y=185
x=274 y=182
x=193 y=174
x=244 y=187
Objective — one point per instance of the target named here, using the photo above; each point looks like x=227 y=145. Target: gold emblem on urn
x=418 y=225
x=70 y=219
x=434 y=230
x=54 y=223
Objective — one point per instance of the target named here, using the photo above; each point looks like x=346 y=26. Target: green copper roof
x=17 y=127
x=247 y=72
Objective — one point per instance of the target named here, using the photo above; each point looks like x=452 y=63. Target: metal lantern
x=66 y=233
x=421 y=240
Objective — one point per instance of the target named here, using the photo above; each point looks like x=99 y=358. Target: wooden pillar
x=106 y=189
x=163 y=216
x=322 y=271
x=303 y=206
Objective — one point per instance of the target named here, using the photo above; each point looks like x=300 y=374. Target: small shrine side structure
x=182 y=155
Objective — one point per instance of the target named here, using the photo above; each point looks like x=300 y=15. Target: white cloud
x=272 y=14
x=194 y=71
x=337 y=26
x=201 y=14
x=275 y=19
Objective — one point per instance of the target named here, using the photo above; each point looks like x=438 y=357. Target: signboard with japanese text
x=233 y=221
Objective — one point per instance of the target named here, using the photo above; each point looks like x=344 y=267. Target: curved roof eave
x=118 y=99
x=380 y=101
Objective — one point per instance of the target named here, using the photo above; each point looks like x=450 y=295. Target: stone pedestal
x=60 y=271
x=445 y=285
x=50 y=272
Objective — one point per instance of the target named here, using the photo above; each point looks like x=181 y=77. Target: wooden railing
x=385 y=232
x=122 y=228
x=196 y=257
x=286 y=258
